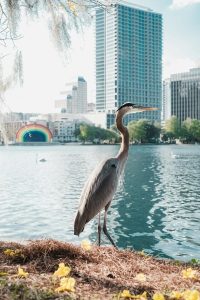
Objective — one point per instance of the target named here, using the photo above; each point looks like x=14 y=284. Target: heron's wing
x=99 y=189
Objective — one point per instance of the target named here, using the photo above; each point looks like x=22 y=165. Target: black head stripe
x=127 y=104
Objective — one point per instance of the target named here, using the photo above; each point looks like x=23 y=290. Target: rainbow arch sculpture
x=33 y=133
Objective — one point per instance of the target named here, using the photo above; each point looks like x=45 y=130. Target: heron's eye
x=113 y=166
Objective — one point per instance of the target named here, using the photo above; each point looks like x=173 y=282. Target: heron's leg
x=99 y=229
x=105 y=228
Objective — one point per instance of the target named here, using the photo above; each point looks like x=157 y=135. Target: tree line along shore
x=143 y=131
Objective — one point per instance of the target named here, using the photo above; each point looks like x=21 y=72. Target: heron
x=101 y=185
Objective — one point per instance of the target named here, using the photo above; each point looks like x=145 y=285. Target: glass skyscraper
x=129 y=58
x=182 y=95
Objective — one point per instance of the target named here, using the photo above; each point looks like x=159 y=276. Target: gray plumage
x=97 y=192
x=101 y=186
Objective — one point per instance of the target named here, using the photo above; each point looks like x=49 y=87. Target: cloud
x=176 y=4
x=177 y=65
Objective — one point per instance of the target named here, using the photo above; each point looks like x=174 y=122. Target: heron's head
x=129 y=107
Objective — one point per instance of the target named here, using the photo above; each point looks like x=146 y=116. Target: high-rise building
x=182 y=96
x=74 y=100
x=129 y=58
x=166 y=104
x=79 y=97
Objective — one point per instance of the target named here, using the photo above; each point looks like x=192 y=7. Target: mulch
x=100 y=273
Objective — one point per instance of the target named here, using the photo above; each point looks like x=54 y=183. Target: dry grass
x=100 y=273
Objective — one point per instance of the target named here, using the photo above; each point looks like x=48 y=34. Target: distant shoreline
x=91 y=144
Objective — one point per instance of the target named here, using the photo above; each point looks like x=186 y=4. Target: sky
x=45 y=72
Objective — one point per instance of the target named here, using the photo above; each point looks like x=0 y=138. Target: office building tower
x=183 y=95
x=79 y=97
x=75 y=99
x=129 y=58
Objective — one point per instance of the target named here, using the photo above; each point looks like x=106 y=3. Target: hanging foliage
x=61 y=16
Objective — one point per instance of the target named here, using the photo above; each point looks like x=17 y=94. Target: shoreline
x=99 y=272
x=93 y=144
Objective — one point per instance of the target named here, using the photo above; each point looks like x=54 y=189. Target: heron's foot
x=108 y=236
x=97 y=243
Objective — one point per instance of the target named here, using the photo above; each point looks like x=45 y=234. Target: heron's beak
x=139 y=108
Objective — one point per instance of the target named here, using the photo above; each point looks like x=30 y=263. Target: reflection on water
x=156 y=207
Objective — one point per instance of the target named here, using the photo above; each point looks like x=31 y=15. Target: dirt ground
x=100 y=273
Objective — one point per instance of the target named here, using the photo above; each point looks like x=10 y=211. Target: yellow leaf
x=141 y=277
x=62 y=270
x=86 y=245
x=21 y=273
x=158 y=296
x=189 y=274
x=73 y=7
x=142 y=296
x=142 y=253
x=191 y=295
x=9 y=252
x=175 y=295
x=127 y=294
x=66 y=284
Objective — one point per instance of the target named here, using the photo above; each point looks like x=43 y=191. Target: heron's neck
x=123 y=152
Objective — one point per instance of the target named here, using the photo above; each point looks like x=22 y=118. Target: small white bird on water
x=101 y=186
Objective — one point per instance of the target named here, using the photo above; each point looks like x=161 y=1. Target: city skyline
x=180 y=47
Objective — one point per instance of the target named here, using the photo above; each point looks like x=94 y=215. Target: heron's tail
x=79 y=224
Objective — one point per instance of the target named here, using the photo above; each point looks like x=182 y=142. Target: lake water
x=156 y=207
